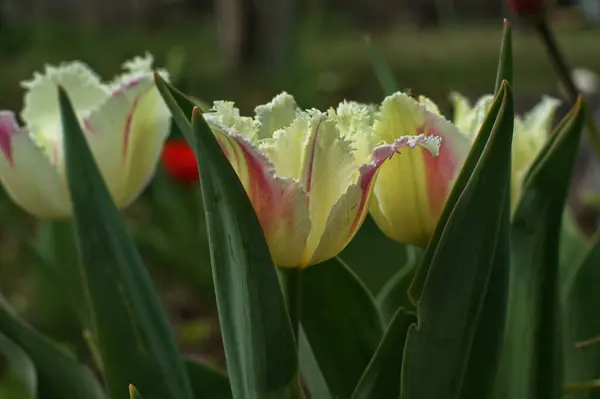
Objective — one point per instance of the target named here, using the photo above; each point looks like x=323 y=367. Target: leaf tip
x=506 y=23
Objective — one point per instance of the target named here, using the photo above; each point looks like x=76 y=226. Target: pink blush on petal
x=8 y=128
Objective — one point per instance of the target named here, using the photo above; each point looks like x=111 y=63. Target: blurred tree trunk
x=427 y=13
x=255 y=32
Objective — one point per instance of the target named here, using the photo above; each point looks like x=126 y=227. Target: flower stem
x=291 y=281
x=564 y=73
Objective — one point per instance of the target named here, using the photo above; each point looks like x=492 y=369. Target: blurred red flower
x=179 y=161
x=522 y=7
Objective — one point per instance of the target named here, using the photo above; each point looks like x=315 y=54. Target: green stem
x=582 y=386
x=290 y=280
x=564 y=73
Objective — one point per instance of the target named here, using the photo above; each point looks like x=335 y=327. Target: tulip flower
x=530 y=133
x=411 y=190
x=299 y=171
x=125 y=122
x=179 y=161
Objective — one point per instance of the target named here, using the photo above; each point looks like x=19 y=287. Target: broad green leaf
x=134 y=337
x=532 y=359
x=257 y=336
x=341 y=322
x=207 y=381
x=505 y=63
x=384 y=74
x=382 y=377
x=438 y=357
x=59 y=374
x=394 y=294
x=18 y=378
x=371 y=247
x=581 y=326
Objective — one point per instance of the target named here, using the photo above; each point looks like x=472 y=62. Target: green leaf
x=341 y=322
x=505 y=63
x=437 y=362
x=18 y=378
x=59 y=374
x=582 y=358
x=207 y=381
x=384 y=74
x=382 y=377
x=134 y=337
x=394 y=295
x=532 y=359
x=460 y=183
x=257 y=334
x=180 y=105
x=574 y=246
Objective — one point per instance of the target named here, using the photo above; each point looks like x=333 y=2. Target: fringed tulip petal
x=41 y=101
x=27 y=174
x=350 y=210
x=411 y=189
x=275 y=115
x=281 y=203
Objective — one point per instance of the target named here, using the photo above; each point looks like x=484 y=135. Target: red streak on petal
x=311 y=158
x=128 y=122
x=179 y=161
x=440 y=170
x=267 y=196
x=366 y=182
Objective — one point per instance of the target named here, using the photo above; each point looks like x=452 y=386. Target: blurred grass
x=330 y=63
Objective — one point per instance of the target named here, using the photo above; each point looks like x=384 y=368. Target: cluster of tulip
x=310 y=175
x=478 y=314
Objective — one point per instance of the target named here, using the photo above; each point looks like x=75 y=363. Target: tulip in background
x=530 y=133
x=179 y=161
x=309 y=192
x=126 y=123
x=526 y=7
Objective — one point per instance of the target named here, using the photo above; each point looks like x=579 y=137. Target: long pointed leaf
x=438 y=350
x=532 y=359
x=382 y=377
x=59 y=374
x=259 y=344
x=135 y=340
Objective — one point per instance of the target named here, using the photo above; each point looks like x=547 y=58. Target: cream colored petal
x=225 y=113
x=41 y=99
x=114 y=131
x=280 y=203
x=329 y=169
x=149 y=128
x=275 y=115
x=27 y=174
x=411 y=189
x=349 y=212
x=286 y=148
x=355 y=122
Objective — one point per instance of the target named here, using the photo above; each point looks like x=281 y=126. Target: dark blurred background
x=248 y=51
